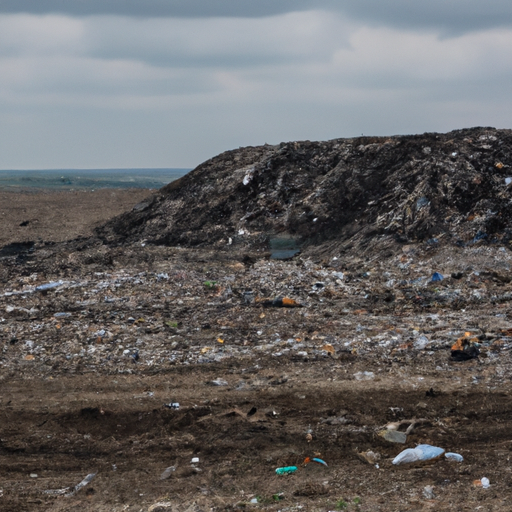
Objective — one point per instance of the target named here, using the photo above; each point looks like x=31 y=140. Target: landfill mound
x=339 y=194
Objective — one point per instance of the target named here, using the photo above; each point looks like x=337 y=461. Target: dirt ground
x=88 y=371
x=58 y=216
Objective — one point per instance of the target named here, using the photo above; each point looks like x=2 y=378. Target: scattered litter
x=421 y=342
x=465 y=348
x=411 y=424
x=422 y=453
x=49 y=286
x=33 y=475
x=364 y=375
x=219 y=382
x=57 y=492
x=428 y=492
x=280 y=302
x=484 y=482
x=195 y=460
x=329 y=348
x=83 y=483
x=168 y=472
x=454 y=457
x=436 y=276
x=172 y=405
x=287 y=470
x=307 y=460
x=248 y=177
x=394 y=436
x=370 y=457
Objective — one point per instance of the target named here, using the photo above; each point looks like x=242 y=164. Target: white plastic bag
x=421 y=453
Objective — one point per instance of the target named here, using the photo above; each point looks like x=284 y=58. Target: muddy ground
x=89 y=368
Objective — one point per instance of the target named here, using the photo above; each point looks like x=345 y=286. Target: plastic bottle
x=287 y=470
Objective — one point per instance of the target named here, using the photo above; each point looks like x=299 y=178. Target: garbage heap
x=344 y=194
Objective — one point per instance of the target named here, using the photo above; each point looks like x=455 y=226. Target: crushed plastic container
x=454 y=457
x=393 y=436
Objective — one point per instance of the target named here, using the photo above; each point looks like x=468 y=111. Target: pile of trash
x=181 y=312
x=360 y=193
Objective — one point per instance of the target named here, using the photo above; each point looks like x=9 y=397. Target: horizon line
x=103 y=169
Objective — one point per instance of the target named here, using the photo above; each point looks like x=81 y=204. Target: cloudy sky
x=170 y=83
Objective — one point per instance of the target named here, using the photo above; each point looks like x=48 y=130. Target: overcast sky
x=170 y=83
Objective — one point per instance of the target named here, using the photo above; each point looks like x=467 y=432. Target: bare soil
x=65 y=427
x=57 y=216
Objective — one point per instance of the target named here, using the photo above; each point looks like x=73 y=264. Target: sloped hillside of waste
x=452 y=187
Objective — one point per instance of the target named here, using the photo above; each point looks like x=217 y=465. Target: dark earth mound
x=340 y=194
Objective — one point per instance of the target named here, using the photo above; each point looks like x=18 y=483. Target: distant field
x=88 y=179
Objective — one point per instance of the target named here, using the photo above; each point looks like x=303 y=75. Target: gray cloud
x=225 y=43
x=447 y=16
x=177 y=8
x=450 y=17
x=164 y=90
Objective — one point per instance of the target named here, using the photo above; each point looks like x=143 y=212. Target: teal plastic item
x=288 y=470
x=320 y=461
